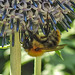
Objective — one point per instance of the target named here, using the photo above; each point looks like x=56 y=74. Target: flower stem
x=37 y=66
x=15 y=55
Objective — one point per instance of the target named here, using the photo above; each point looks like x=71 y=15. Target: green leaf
x=59 y=54
x=6 y=68
x=5 y=47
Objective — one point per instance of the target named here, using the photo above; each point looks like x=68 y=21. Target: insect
x=38 y=45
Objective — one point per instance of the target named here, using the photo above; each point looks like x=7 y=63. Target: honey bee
x=37 y=45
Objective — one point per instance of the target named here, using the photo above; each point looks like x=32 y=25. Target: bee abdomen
x=54 y=38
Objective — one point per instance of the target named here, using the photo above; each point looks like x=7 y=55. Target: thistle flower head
x=37 y=16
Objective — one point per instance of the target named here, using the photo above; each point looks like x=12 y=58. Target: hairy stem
x=15 y=55
x=37 y=66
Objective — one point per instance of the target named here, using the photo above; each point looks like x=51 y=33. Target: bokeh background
x=52 y=64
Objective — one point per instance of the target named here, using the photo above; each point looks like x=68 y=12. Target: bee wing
x=54 y=48
x=60 y=46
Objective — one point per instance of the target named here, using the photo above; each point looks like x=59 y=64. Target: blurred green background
x=52 y=64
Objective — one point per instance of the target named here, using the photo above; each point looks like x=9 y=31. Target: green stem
x=37 y=66
x=15 y=55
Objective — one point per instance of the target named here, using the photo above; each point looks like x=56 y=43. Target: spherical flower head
x=34 y=17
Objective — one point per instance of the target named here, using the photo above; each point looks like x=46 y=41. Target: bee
x=37 y=45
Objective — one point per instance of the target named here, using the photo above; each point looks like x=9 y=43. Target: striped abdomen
x=53 y=39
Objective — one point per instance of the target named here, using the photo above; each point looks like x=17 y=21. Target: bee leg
x=47 y=26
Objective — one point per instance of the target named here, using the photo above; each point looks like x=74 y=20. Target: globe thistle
x=37 y=16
